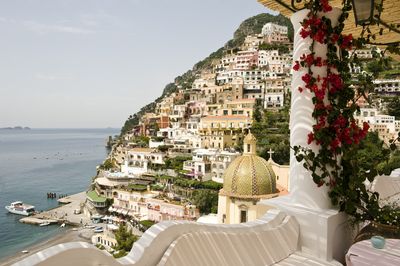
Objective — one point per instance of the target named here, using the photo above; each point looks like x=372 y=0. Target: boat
x=62 y=225
x=98 y=229
x=44 y=224
x=25 y=251
x=18 y=207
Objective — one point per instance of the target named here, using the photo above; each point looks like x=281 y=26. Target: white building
x=138 y=159
x=387 y=86
x=275 y=33
x=271 y=28
x=385 y=125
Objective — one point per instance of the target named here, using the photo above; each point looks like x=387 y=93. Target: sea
x=37 y=161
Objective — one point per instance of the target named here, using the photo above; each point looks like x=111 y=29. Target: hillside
x=252 y=25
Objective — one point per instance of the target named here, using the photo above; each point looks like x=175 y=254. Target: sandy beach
x=69 y=236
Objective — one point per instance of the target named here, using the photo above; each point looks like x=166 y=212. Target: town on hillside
x=180 y=159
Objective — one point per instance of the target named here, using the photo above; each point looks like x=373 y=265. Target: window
x=248 y=147
x=243 y=216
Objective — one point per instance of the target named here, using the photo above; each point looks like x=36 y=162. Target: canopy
x=390 y=15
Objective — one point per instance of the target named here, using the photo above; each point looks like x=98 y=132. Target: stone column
x=324 y=232
x=302 y=188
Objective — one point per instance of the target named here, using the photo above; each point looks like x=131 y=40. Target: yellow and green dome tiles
x=249 y=175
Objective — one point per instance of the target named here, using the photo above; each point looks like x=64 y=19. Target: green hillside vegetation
x=272 y=132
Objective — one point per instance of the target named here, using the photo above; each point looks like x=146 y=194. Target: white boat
x=44 y=224
x=98 y=229
x=18 y=207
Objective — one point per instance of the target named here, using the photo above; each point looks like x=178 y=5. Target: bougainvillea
x=335 y=132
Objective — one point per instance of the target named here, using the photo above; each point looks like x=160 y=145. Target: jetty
x=37 y=221
x=62 y=214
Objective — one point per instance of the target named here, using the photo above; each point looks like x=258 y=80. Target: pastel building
x=223 y=131
x=246 y=59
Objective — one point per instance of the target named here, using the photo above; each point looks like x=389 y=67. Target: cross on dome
x=270 y=152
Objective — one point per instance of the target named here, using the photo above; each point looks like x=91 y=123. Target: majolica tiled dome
x=249 y=175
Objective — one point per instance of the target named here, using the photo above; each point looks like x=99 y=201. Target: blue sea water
x=34 y=162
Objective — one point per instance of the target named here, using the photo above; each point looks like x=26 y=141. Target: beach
x=70 y=235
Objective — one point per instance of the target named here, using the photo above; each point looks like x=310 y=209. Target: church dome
x=249 y=176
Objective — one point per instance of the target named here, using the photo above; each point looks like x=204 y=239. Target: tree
x=393 y=107
x=125 y=240
x=108 y=164
x=371 y=152
x=206 y=200
x=176 y=163
x=257 y=115
x=164 y=148
x=272 y=132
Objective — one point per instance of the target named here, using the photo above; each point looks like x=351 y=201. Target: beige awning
x=390 y=15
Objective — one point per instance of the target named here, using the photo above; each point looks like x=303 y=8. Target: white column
x=302 y=188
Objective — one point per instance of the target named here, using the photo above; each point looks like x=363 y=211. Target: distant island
x=15 y=128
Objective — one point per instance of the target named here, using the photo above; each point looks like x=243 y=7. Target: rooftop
x=94 y=197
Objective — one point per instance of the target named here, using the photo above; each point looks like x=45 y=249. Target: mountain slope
x=252 y=25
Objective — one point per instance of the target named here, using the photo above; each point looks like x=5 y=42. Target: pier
x=63 y=213
x=37 y=221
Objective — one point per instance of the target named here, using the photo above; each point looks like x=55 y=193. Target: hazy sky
x=92 y=63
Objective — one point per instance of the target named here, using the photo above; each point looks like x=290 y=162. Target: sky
x=92 y=63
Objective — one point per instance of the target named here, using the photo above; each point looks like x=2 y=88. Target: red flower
x=334 y=38
x=306 y=78
x=341 y=121
x=334 y=144
x=309 y=59
x=320 y=94
x=347 y=41
x=300 y=89
x=346 y=136
x=318 y=61
x=325 y=6
x=320 y=106
x=336 y=82
x=310 y=137
x=365 y=126
x=296 y=66
x=319 y=36
x=304 y=33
